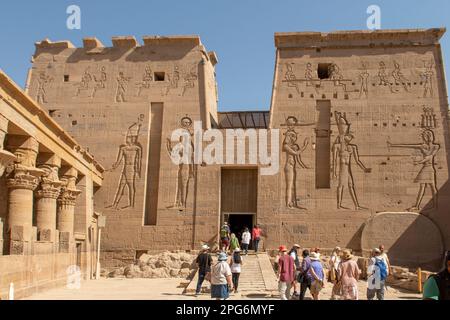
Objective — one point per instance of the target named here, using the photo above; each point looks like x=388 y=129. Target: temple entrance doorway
x=238 y=222
x=239 y=189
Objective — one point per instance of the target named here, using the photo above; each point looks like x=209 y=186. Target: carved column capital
x=23 y=181
x=6 y=157
x=50 y=186
x=68 y=196
x=50 y=190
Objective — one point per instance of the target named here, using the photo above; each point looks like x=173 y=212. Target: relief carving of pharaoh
x=186 y=168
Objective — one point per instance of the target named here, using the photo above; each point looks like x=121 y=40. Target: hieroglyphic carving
x=399 y=78
x=189 y=79
x=84 y=84
x=42 y=81
x=147 y=80
x=383 y=77
x=336 y=76
x=173 y=80
x=186 y=171
x=130 y=154
x=427 y=174
x=428 y=120
x=343 y=153
x=293 y=161
x=364 y=79
x=100 y=81
x=427 y=80
x=291 y=78
x=309 y=77
x=122 y=82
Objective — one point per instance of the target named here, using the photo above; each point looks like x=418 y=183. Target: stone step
x=257 y=276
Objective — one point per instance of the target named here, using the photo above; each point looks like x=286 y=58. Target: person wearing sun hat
x=349 y=275
x=203 y=261
x=377 y=273
x=286 y=273
x=221 y=278
x=317 y=273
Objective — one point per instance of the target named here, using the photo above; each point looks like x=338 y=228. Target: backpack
x=383 y=269
x=224 y=232
x=443 y=285
x=237 y=258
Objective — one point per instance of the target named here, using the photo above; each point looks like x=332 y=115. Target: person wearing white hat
x=236 y=263
x=203 y=261
x=377 y=274
x=221 y=278
x=317 y=273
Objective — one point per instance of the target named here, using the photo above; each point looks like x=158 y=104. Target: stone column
x=66 y=210
x=6 y=157
x=23 y=178
x=1 y=237
x=49 y=190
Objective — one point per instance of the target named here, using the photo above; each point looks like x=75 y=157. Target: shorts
x=220 y=291
x=316 y=287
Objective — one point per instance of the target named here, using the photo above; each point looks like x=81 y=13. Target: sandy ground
x=170 y=289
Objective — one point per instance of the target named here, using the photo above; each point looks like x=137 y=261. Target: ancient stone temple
x=48 y=226
x=361 y=138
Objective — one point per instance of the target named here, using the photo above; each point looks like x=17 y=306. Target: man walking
x=305 y=277
x=204 y=261
x=286 y=273
x=246 y=237
x=385 y=257
x=256 y=235
x=377 y=274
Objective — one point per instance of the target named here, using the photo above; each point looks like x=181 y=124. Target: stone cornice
x=359 y=38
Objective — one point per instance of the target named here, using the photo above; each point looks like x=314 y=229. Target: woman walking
x=234 y=243
x=349 y=275
x=333 y=275
x=236 y=263
x=221 y=278
x=317 y=274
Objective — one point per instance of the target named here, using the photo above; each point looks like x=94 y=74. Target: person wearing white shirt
x=246 y=238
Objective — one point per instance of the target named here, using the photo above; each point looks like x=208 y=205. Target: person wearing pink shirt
x=256 y=236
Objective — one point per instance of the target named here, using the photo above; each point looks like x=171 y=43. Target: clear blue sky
x=240 y=31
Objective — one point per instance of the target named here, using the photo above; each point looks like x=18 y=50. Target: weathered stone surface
x=363 y=121
x=166 y=264
x=411 y=239
x=36 y=146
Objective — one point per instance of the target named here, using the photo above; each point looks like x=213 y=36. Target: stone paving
x=169 y=289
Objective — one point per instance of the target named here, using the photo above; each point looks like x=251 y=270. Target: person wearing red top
x=286 y=273
x=256 y=236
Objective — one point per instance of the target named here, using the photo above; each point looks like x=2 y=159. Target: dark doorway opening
x=238 y=222
x=78 y=250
